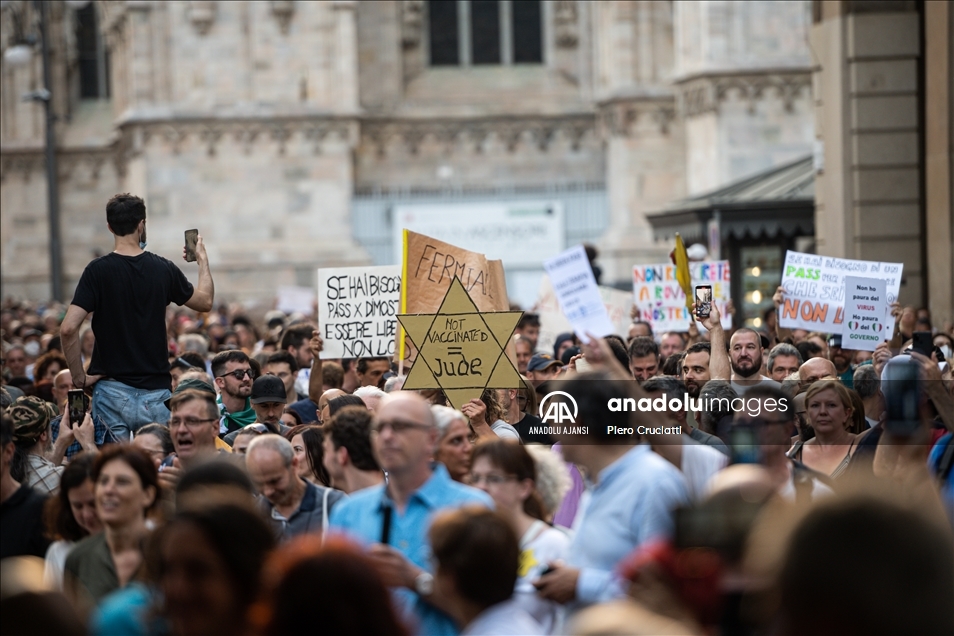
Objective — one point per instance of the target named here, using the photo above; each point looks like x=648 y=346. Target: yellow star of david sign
x=461 y=350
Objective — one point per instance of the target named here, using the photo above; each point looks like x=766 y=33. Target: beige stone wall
x=939 y=158
x=869 y=195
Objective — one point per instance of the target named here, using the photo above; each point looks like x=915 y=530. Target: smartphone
x=703 y=301
x=190 y=238
x=923 y=343
x=744 y=444
x=902 y=395
x=77 y=403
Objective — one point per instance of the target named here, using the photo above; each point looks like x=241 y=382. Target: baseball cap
x=834 y=340
x=541 y=361
x=194 y=384
x=31 y=417
x=268 y=388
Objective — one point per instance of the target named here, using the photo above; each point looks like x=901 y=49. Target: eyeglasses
x=398 y=426
x=490 y=480
x=189 y=422
x=238 y=374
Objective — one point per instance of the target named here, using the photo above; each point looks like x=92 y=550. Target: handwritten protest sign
x=553 y=322
x=577 y=294
x=662 y=302
x=357 y=310
x=461 y=348
x=815 y=290
x=431 y=266
x=865 y=308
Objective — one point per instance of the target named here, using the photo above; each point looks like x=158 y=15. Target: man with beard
x=643 y=358
x=745 y=354
x=841 y=358
x=695 y=374
x=233 y=378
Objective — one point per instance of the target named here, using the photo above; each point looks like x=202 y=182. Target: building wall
x=742 y=71
x=259 y=122
x=870 y=193
x=939 y=158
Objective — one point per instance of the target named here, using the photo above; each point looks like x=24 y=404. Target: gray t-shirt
x=504 y=430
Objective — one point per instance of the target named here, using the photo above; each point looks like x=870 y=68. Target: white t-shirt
x=502 y=619
x=699 y=464
x=540 y=546
x=55 y=563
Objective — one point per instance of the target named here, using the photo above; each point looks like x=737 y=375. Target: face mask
x=32 y=348
x=947 y=351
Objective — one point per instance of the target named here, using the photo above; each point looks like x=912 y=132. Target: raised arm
x=315 y=383
x=719 y=367
x=204 y=294
x=69 y=335
x=781 y=333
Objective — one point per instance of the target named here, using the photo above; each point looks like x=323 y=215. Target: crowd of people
x=173 y=466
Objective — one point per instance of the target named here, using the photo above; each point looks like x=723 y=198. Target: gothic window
x=92 y=60
x=485 y=32
x=527 y=33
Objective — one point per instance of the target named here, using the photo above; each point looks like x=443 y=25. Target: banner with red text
x=815 y=290
x=662 y=302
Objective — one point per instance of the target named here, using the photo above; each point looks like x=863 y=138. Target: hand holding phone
x=703 y=301
x=191 y=236
x=77 y=404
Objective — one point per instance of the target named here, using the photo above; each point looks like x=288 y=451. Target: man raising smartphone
x=127 y=292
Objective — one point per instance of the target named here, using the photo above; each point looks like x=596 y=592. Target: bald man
x=323 y=413
x=404 y=438
x=814 y=370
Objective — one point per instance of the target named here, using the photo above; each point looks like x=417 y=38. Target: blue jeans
x=126 y=409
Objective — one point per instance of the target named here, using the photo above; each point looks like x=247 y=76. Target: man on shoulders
x=127 y=292
x=395 y=519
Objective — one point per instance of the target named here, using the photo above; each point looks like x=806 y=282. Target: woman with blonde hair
x=828 y=405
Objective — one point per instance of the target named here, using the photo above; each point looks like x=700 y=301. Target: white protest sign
x=661 y=301
x=553 y=322
x=577 y=293
x=293 y=299
x=865 y=309
x=815 y=290
x=357 y=309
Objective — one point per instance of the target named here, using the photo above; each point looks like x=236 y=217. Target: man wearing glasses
x=194 y=429
x=394 y=519
x=233 y=380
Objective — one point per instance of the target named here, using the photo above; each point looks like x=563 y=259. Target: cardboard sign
x=865 y=307
x=357 y=310
x=431 y=265
x=577 y=294
x=815 y=290
x=461 y=349
x=662 y=302
x=553 y=322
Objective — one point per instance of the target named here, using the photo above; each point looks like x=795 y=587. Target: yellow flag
x=680 y=259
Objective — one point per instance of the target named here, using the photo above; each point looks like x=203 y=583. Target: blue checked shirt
x=101 y=435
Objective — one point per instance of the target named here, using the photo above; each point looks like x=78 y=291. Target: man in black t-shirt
x=127 y=292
